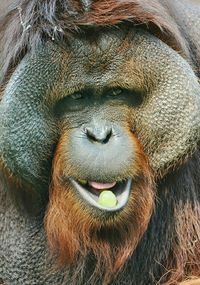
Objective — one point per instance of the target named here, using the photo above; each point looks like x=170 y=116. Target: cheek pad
x=169 y=123
x=26 y=129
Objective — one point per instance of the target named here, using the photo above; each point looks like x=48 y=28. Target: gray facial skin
x=160 y=104
x=167 y=121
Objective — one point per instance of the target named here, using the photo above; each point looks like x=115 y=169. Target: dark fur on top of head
x=29 y=22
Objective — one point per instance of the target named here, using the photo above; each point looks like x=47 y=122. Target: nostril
x=108 y=136
x=102 y=135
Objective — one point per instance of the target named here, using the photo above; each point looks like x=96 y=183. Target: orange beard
x=79 y=235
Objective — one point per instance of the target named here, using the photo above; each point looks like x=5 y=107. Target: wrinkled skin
x=143 y=69
x=159 y=102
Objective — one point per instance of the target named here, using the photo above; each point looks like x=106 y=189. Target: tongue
x=101 y=186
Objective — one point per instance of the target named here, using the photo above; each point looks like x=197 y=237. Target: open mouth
x=104 y=196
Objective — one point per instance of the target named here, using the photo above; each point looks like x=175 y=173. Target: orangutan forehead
x=102 y=40
x=65 y=18
x=112 y=57
x=109 y=58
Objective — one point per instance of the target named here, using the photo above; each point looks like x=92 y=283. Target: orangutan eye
x=76 y=96
x=116 y=92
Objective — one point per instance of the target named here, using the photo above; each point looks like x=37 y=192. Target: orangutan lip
x=91 y=195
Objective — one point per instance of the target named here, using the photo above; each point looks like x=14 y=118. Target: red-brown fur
x=193 y=281
x=73 y=231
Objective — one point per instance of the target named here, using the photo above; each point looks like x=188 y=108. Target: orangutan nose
x=99 y=134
